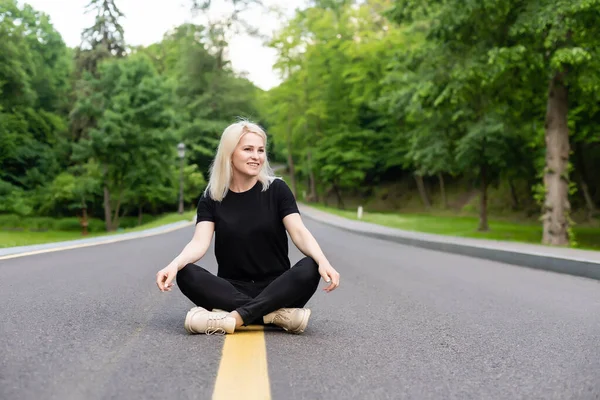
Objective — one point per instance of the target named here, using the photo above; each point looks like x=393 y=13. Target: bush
x=13 y=221
x=132 y=222
x=40 y=223
x=14 y=200
x=10 y=221
x=70 y=224
x=96 y=225
x=73 y=224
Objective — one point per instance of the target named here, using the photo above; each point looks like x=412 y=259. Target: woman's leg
x=292 y=289
x=209 y=291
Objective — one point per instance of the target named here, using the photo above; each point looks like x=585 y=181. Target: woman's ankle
x=238 y=318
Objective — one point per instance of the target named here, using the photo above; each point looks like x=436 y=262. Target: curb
x=22 y=251
x=575 y=266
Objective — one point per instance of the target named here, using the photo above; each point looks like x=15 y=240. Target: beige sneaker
x=293 y=320
x=200 y=320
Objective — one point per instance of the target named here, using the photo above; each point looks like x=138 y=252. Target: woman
x=249 y=211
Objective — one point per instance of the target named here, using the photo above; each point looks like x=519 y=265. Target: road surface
x=406 y=323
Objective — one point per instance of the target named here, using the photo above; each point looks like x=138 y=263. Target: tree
x=535 y=37
x=564 y=40
x=330 y=56
x=96 y=128
x=133 y=137
x=103 y=40
x=34 y=65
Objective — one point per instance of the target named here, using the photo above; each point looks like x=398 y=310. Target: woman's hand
x=165 y=277
x=330 y=275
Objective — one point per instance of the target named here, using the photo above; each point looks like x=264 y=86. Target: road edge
x=23 y=251
x=547 y=262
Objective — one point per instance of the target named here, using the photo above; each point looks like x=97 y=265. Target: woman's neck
x=241 y=184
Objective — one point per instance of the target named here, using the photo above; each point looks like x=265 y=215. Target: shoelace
x=281 y=317
x=214 y=325
x=218 y=331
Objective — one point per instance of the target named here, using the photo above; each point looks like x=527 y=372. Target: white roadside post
x=360 y=212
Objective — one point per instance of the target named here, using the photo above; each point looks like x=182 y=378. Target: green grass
x=164 y=220
x=526 y=232
x=25 y=237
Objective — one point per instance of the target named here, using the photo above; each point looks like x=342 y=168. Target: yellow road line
x=78 y=246
x=243 y=372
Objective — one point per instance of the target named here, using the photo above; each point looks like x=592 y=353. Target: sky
x=146 y=21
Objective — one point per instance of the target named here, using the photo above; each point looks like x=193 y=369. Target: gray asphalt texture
x=406 y=323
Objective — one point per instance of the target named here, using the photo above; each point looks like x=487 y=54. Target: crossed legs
x=251 y=301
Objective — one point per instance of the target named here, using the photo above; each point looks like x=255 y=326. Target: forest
x=490 y=107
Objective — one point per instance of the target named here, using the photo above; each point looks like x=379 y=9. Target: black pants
x=252 y=300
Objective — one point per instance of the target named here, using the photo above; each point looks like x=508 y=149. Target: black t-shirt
x=251 y=243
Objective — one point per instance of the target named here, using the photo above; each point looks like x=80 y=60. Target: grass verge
x=25 y=238
x=525 y=232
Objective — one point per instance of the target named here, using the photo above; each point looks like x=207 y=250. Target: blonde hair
x=221 y=171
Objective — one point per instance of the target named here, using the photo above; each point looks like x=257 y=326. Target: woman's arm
x=308 y=245
x=198 y=245
x=192 y=252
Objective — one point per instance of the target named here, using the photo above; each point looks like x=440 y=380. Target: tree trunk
x=556 y=176
x=312 y=196
x=115 y=222
x=311 y=176
x=513 y=195
x=291 y=162
x=84 y=217
x=338 y=195
x=292 y=172
x=483 y=220
x=443 y=190
x=107 y=210
x=140 y=214
x=422 y=192
x=588 y=200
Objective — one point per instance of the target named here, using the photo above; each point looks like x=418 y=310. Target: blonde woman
x=249 y=212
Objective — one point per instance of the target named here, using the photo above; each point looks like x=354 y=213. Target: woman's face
x=249 y=155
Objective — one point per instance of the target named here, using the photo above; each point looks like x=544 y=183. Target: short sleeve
x=206 y=209
x=285 y=199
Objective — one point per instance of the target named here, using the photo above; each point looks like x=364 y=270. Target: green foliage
x=372 y=91
x=448 y=88
x=102 y=123
x=207 y=96
x=342 y=162
x=14 y=200
x=34 y=68
x=14 y=222
x=194 y=183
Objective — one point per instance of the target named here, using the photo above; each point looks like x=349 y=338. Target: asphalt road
x=406 y=323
